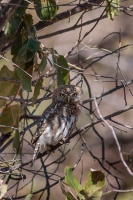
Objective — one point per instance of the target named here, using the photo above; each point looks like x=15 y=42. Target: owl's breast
x=60 y=125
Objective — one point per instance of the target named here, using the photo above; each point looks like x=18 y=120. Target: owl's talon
x=61 y=142
x=68 y=142
x=48 y=149
x=64 y=139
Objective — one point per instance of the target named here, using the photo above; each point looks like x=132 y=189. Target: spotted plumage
x=59 y=119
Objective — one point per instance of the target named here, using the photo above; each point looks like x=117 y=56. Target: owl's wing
x=47 y=115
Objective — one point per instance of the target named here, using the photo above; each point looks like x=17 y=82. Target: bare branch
x=115 y=138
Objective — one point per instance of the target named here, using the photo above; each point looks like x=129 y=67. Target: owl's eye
x=62 y=94
x=75 y=94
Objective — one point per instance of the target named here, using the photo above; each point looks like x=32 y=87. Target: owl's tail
x=36 y=151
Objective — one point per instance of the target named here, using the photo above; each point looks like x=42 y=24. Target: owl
x=59 y=119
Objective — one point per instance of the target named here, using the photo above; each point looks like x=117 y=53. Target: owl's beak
x=68 y=99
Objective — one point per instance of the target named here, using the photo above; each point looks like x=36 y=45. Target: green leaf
x=33 y=45
x=21 y=58
x=16 y=142
x=37 y=89
x=24 y=59
x=95 y=196
x=12 y=26
x=29 y=19
x=9 y=117
x=14 y=23
x=95 y=178
x=26 y=78
x=27 y=52
x=63 y=74
x=113 y=8
x=92 y=189
x=16 y=139
x=16 y=46
x=22 y=37
x=3 y=189
x=43 y=64
x=72 y=181
x=8 y=88
x=46 y=9
x=67 y=194
x=28 y=197
x=95 y=182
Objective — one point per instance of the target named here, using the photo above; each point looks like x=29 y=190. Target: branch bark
x=64 y=15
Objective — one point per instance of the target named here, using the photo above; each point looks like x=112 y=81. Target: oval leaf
x=37 y=89
x=95 y=182
x=15 y=21
x=26 y=76
x=46 y=9
x=113 y=8
x=63 y=74
x=71 y=180
x=16 y=140
x=9 y=117
x=43 y=64
x=27 y=52
x=7 y=87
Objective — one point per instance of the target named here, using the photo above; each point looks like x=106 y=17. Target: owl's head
x=68 y=94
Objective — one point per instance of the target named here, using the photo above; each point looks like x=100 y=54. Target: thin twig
x=115 y=138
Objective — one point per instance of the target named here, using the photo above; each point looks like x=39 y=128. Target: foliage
x=91 y=190
x=46 y=10
x=9 y=117
x=113 y=8
x=63 y=75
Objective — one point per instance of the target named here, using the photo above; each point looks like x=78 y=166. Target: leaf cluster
x=91 y=190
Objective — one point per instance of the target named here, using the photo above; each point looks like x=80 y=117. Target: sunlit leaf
x=95 y=182
x=72 y=181
x=9 y=117
x=28 y=197
x=37 y=89
x=3 y=189
x=92 y=189
x=46 y=9
x=63 y=74
x=113 y=8
x=68 y=195
x=7 y=87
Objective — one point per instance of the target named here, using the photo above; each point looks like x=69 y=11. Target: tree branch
x=64 y=15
